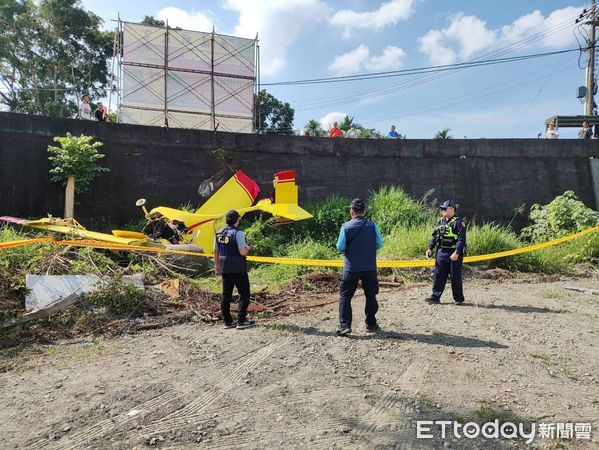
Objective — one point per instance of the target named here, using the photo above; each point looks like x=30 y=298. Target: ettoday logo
x=428 y=429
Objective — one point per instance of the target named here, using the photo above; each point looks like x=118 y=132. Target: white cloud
x=389 y=13
x=327 y=121
x=390 y=59
x=278 y=23
x=359 y=60
x=197 y=21
x=554 y=33
x=468 y=35
x=350 y=62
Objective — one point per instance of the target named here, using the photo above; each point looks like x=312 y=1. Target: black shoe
x=432 y=300
x=372 y=328
x=343 y=331
x=244 y=325
x=231 y=325
x=459 y=302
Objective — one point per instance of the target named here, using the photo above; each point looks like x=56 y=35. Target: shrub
x=328 y=215
x=564 y=215
x=117 y=297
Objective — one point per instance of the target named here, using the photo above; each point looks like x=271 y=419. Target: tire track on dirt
x=195 y=409
x=81 y=437
x=408 y=382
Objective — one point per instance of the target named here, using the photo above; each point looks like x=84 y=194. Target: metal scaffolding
x=185 y=79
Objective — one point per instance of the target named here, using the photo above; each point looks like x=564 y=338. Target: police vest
x=448 y=239
x=360 y=245
x=231 y=261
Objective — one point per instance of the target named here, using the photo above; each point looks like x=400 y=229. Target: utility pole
x=591 y=19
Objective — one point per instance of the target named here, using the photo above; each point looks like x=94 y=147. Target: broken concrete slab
x=45 y=290
x=40 y=313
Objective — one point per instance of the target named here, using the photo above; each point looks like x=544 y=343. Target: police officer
x=449 y=240
x=359 y=239
x=230 y=262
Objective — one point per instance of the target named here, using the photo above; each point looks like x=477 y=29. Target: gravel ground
x=519 y=350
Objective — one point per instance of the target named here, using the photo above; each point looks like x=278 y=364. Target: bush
x=328 y=215
x=566 y=214
x=117 y=297
x=265 y=238
x=17 y=261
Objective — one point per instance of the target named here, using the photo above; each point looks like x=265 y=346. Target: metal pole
x=166 y=76
x=591 y=65
x=114 y=44
x=212 y=106
x=257 y=101
x=119 y=91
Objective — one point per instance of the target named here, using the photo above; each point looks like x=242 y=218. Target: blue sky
x=320 y=38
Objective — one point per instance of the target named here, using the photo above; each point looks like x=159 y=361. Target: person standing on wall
x=585 y=132
x=85 y=110
x=230 y=250
x=101 y=113
x=449 y=242
x=335 y=132
x=359 y=239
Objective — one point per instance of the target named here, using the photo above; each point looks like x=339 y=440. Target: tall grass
x=390 y=207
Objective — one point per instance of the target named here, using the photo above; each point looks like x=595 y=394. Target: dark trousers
x=445 y=267
x=347 y=288
x=242 y=283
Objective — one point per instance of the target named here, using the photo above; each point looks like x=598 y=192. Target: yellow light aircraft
x=169 y=226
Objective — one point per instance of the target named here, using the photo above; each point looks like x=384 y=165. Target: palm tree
x=315 y=129
x=444 y=134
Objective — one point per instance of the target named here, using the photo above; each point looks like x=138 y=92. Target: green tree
x=271 y=115
x=51 y=52
x=348 y=122
x=76 y=163
x=151 y=20
x=370 y=133
x=315 y=129
x=444 y=134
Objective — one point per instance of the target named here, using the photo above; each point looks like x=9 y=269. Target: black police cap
x=448 y=204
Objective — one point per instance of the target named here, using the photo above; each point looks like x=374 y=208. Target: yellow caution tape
x=298 y=261
x=11 y=244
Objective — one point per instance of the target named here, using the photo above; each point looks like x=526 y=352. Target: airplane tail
x=284 y=204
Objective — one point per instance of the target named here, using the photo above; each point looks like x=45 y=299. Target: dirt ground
x=519 y=350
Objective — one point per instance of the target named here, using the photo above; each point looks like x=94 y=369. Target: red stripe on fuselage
x=248 y=185
x=195 y=225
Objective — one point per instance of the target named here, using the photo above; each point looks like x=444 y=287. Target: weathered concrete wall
x=489 y=177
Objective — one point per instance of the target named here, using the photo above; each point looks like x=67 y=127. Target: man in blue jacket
x=230 y=250
x=359 y=239
x=449 y=240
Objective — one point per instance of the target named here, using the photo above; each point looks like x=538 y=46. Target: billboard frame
x=217 y=78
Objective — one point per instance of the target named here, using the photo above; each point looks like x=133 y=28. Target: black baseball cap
x=232 y=216
x=358 y=205
x=449 y=204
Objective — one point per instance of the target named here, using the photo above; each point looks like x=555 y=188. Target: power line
x=385 y=90
x=420 y=70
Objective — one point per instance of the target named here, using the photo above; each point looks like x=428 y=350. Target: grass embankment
x=406 y=225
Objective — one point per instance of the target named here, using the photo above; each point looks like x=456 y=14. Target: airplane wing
x=72 y=228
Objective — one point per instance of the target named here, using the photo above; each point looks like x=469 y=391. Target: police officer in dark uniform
x=359 y=239
x=449 y=240
x=230 y=250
